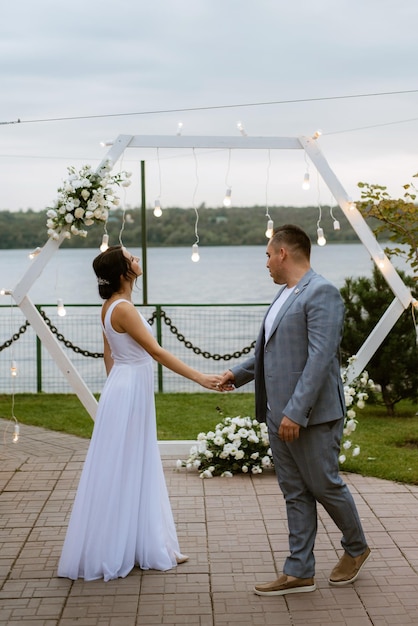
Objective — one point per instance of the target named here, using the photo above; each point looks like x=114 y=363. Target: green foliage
x=397 y=218
x=217 y=227
x=184 y=415
x=59 y=412
x=389 y=445
x=394 y=367
x=22 y=230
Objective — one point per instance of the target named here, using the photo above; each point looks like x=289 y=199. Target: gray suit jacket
x=297 y=372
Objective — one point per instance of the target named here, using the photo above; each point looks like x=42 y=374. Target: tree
x=398 y=218
x=394 y=367
x=235 y=226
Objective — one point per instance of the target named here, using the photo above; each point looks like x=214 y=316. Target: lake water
x=233 y=274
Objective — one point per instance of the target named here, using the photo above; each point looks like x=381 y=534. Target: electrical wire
x=214 y=107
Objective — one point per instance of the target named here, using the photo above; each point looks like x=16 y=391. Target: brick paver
x=234 y=531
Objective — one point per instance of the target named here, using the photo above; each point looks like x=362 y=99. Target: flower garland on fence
x=355 y=396
x=85 y=198
x=241 y=444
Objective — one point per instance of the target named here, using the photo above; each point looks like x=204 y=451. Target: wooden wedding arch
x=402 y=295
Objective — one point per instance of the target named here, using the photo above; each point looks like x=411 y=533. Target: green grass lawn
x=389 y=445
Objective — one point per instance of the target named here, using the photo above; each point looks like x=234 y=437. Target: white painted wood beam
x=115 y=152
x=375 y=339
x=36 y=267
x=215 y=142
x=357 y=221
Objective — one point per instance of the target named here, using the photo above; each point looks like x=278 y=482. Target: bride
x=121 y=517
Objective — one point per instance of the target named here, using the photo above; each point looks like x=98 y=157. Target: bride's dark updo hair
x=109 y=266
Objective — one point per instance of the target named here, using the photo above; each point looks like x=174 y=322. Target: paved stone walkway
x=234 y=531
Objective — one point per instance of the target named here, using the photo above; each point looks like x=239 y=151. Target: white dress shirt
x=272 y=314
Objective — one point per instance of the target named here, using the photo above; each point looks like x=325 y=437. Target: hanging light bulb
x=321 y=238
x=195 y=253
x=179 y=128
x=269 y=229
x=306 y=184
x=13 y=369
x=335 y=222
x=60 y=308
x=227 y=200
x=16 y=432
x=317 y=134
x=381 y=259
x=241 y=129
x=105 y=243
x=157 y=208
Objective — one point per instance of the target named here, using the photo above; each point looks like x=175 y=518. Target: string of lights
x=270 y=224
x=14 y=372
x=157 y=203
x=227 y=201
x=195 y=247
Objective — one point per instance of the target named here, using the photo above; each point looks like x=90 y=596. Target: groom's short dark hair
x=294 y=237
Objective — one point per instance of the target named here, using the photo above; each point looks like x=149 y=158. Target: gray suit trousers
x=307 y=471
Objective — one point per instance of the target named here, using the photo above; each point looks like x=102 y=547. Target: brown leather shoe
x=285 y=584
x=348 y=568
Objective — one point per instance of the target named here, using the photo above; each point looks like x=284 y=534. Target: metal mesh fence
x=210 y=338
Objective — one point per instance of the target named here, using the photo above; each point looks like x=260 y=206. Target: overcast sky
x=104 y=61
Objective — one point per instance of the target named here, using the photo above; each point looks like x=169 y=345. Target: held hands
x=210 y=381
x=288 y=430
x=218 y=382
x=227 y=381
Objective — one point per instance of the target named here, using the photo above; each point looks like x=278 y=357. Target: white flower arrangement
x=355 y=395
x=238 y=444
x=85 y=198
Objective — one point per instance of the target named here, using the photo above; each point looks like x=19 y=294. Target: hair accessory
x=102 y=281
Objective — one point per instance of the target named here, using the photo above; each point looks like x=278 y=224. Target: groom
x=299 y=393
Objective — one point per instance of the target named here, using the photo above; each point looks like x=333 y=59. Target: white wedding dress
x=121 y=515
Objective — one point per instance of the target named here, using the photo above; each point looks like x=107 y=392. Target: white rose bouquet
x=85 y=198
x=237 y=444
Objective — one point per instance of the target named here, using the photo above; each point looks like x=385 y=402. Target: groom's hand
x=288 y=430
x=227 y=381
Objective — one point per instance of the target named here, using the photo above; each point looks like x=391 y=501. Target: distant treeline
x=234 y=226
